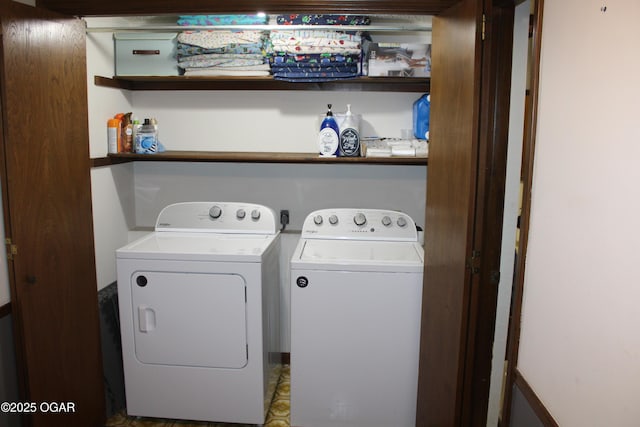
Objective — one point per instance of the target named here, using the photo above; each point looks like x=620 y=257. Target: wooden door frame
x=465 y=401
x=17 y=338
x=66 y=292
x=531 y=116
x=488 y=223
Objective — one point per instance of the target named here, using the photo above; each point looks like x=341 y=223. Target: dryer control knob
x=240 y=214
x=215 y=212
x=255 y=214
x=317 y=219
x=333 y=219
x=386 y=221
x=360 y=219
x=402 y=222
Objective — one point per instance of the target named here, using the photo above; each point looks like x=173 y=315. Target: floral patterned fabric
x=218 y=39
x=301 y=19
x=314 y=55
x=194 y=20
x=221 y=52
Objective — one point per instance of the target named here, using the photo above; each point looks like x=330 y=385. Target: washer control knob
x=402 y=222
x=215 y=212
x=386 y=221
x=333 y=219
x=360 y=219
x=255 y=214
x=240 y=214
x=317 y=219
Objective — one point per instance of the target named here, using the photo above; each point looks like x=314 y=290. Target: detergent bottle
x=421 y=109
x=349 y=136
x=329 y=136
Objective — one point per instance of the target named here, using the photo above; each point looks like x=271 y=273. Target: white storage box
x=146 y=54
x=399 y=60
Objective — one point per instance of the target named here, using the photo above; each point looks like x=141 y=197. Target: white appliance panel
x=198 y=247
x=217 y=217
x=198 y=337
x=354 y=348
x=359 y=224
x=333 y=254
x=189 y=319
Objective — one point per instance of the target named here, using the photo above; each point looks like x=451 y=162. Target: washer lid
x=357 y=255
x=198 y=247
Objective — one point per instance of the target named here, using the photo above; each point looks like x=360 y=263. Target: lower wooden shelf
x=373 y=84
x=253 y=157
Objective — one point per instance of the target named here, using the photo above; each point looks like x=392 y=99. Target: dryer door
x=189 y=319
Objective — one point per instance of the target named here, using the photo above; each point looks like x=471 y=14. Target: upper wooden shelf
x=159 y=7
x=253 y=157
x=371 y=84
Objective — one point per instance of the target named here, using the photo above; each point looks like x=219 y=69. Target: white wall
x=580 y=345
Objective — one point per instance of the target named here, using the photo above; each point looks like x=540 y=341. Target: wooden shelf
x=372 y=84
x=246 y=157
x=146 y=7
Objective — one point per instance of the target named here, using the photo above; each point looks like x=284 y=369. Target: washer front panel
x=355 y=339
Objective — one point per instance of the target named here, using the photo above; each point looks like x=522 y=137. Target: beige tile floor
x=278 y=415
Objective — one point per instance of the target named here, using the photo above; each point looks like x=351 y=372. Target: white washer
x=356 y=289
x=199 y=313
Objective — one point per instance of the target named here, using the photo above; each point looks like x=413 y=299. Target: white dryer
x=356 y=289
x=199 y=313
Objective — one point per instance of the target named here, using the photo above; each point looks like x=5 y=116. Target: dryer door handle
x=146 y=318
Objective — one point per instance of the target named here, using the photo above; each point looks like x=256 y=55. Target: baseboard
x=534 y=402
x=5 y=310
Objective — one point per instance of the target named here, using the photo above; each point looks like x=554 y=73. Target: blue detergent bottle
x=146 y=140
x=329 y=136
x=421 y=109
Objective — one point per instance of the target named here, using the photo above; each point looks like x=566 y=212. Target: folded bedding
x=224 y=72
x=322 y=19
x=293 y=55
x=196 y=20
x=220 y=60
x=218 y=39
x=310 y=58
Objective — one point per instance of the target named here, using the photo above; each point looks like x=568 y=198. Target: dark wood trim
x=5 y=309
x=534 y=402
x=488 y=223
x=246 y=157
x=54 y=310
x=513 y=339
x=5 y=11
x=145 y=7
x=359 y=84
x=450 y=212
